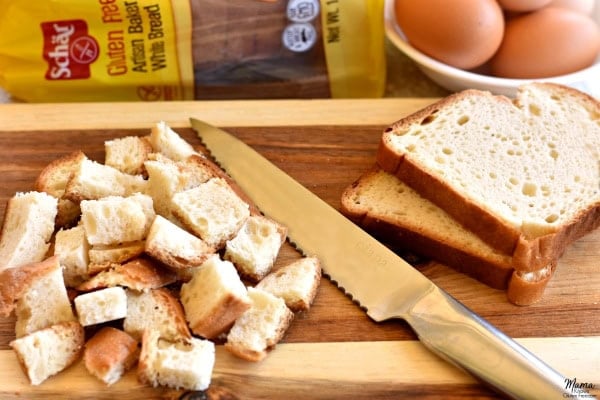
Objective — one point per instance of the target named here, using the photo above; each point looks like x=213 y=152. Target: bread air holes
x=529 y=189
x=463 y=119
x=534 y=109
x=429 y=119
x=551 y=218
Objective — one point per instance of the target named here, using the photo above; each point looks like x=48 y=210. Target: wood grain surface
x=333 y=350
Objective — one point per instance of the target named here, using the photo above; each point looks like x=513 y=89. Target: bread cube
x=183 y=364
x=72 y=248
x=43 y=301
x=109 y=353
x=48 y=351
x=138 y=274
x=212 y=211
x=296 y=283
x=166 y=141
x=112 y=220
x=155 y=309
x=260 y=328
x=92 y=181
x=53 y=180
x=101 y=306
x=27 y=228
x=175 y=246
x=255 y=247
x=127 y=154
x=167 y=177
x=214 y=298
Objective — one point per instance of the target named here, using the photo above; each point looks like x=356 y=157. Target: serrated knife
x=379 y=280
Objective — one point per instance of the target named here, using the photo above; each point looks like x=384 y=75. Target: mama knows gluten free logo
x=68 y=49
x=579 y=390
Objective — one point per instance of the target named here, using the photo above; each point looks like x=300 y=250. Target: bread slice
x=53 y=180
x=27 y=229
x=181 y=364
x=43 y=301
x=260 y=328
x=255 y=247
x=156 y=309
x=127 y=154
x=112 y=220
x=296 y=283
x=523 y=174
x=48 y=351
x=212 y=211
x=214 y=298
x=392 y=211
x=92 y=181
x=138 y=274
x=109 y=354
x=101 y=306
x=71 y=247
x=168 y=142
x=175 y=246
x=167 y=177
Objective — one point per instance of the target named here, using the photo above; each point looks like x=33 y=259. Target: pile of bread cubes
x=149 y=259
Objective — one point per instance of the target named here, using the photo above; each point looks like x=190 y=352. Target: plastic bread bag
x=128 y=50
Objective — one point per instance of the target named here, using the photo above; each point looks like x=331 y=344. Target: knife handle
x=458 y=335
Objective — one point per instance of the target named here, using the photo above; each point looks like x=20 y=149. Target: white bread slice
x=214 y=298
x=156 y=309
x=212 y=211
x=93 y=181
x=167 y=177
x=101 y=306
x=109 y=354
x=523 y=174
x=296 y=283
x=44 y=301
x=255 y=247
x=127 y=154
x=260 y=328
x=168 y=142
x=27 y=229
x=113 y=219
x=175 y=246
x=138 y=274
x=392 y=211
x=182 y=364
x=48 y=351
x=71 y=247
x=53 y=180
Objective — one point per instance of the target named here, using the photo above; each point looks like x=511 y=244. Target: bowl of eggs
x=498 y=45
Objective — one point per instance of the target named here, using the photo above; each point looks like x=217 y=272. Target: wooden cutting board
x=332 y=351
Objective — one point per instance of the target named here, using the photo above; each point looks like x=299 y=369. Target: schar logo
x=68 y=49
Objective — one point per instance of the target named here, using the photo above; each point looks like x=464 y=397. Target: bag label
x=68 y=49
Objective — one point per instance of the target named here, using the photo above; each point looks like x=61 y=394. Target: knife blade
x=380 y=281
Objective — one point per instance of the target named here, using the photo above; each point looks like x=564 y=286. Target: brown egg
x=523 y=5
x=464 y=34
x=548 y=42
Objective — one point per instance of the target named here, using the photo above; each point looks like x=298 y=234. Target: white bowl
x=455 y=79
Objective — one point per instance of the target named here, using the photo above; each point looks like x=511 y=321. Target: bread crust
x=529 y=254
x=523 y=292
x=108 y=349
x=138 y=274
x=221 y=317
